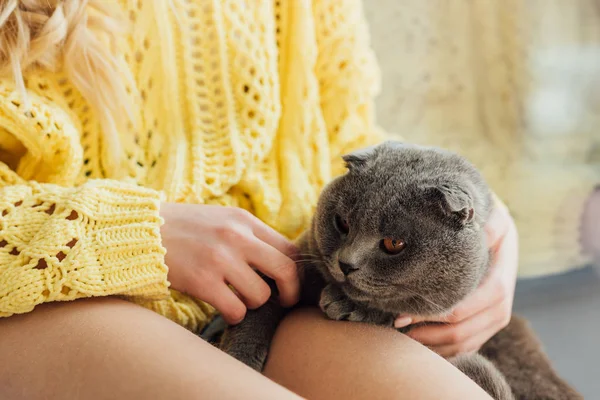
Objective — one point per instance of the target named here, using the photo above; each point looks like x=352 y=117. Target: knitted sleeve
x=348 y=76
x=61 y=241
x=56 y=243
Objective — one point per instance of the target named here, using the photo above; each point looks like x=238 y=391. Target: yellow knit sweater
x=239 y=103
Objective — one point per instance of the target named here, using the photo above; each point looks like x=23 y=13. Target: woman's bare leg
x=322 y=359
x=112 y=349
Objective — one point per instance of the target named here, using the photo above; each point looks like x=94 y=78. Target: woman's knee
x=319 y=358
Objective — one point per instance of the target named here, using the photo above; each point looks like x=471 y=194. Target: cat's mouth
x=392 y=297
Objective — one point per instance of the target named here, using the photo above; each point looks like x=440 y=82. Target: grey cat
x=402 y=232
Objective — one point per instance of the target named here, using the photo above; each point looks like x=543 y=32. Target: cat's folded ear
x=360 y=158
x=456 y=202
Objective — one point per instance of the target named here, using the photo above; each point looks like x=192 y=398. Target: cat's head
x=403 y=229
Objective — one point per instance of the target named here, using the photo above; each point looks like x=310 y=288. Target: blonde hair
x=78 y=36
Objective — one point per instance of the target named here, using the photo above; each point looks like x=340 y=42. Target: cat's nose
x=346 y=268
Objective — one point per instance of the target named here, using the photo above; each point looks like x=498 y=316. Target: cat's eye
x=393 y=246
x=341 y=224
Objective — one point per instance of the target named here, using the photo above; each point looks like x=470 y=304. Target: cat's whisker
x=438 y=307
x=415 y=312
x=315 y=261
x=306 y=255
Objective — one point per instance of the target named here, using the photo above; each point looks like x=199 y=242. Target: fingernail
x=401 y=322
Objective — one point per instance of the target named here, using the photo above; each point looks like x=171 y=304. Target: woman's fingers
x=490 y=293
x=209 y=247
x=269 y=252
x=279 y=267
x=253 y=290
x=270 y=236
x=470 y=345
x=455 y=334
x=227 y=302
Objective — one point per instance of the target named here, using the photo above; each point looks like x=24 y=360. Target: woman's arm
x=57 y=243
x=60 y=241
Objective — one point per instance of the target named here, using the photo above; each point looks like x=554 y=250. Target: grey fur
x=436 y=202
x=432 y=199
x=485 y=374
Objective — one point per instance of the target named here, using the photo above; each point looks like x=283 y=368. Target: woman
x=223 y=121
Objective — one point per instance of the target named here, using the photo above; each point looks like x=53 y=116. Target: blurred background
x=514 y=85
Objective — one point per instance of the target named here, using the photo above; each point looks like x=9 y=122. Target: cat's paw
x=371 y=316
x=358 y=315
x=335 y=304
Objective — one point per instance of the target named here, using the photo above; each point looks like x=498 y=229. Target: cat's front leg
x=371 y=316
x=249 y=341
x=335 y=304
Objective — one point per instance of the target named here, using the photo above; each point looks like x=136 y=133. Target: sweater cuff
x=124 y=236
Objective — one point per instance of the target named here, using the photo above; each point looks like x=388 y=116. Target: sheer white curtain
x=515 y=86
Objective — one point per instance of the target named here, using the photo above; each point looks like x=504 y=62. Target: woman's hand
x=211 y=247
x=485 y=311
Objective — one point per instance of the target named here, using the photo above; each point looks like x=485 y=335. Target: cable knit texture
x=238 y=104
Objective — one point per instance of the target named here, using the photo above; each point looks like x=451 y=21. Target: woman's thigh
x=322 y=359
x=112 y=349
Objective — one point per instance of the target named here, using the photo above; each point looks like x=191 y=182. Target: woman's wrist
x=590 y=226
